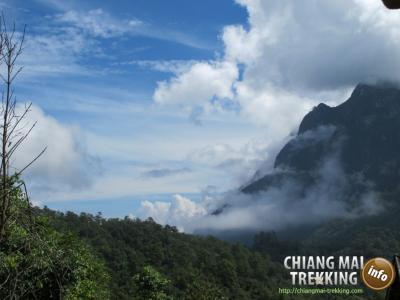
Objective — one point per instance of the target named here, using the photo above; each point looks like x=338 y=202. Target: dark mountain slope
x=363 y=134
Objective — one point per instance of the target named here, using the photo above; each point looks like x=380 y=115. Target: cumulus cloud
x=315 y=45
x=64 y=165
x=202 y=82
x=181 y=211
x=291 y=56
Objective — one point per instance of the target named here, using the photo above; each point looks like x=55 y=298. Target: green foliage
x=150 y=285
x=277 y=249
x=37 y=262
x=372 y=236
x=167 y=264
x=204 y=290
x=196 y=267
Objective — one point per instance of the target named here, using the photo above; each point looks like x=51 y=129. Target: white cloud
x=203 y=81
x=60 y=46
x=214 y=154
x=291 y=54
x=54 y=54
x=239 y=163
x=98 y=23
x=180 y=212
x=64 y=165
x=316 y=45
x=175 y=66
x=275 y=209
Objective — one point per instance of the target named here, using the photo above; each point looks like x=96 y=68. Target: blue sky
x=155 y=108
x=94 y=66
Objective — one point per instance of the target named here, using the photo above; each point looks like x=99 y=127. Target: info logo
x=378 y=274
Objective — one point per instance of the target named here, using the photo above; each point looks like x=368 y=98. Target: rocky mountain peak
x=363 y=132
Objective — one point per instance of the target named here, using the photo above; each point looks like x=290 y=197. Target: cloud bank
x=181 y=211
x=65 y=164
x=290 y=56
x=290 y=199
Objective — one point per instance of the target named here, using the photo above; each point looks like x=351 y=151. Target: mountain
x=361 y=136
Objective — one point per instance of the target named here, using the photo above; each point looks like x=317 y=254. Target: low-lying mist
x=290 y=198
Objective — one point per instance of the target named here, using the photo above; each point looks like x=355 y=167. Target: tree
x=150 y=285
x=40 y=263
x=36 y=262
x=12 y=130
x=204 y=290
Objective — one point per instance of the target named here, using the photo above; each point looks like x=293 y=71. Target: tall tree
x=13 y=129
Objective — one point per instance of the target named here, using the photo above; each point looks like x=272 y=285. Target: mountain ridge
x=362 y=131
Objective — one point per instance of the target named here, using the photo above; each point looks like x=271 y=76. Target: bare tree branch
x=33 y=160
x=13 y=131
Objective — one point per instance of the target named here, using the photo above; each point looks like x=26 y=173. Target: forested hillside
x=195 y=267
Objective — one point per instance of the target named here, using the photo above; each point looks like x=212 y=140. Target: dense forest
x=200 y=267
x=89 y=257
x=194 y=267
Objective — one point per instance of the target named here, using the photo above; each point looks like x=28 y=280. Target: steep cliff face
x=362 y=134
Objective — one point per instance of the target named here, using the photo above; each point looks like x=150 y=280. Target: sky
x=152 y=108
